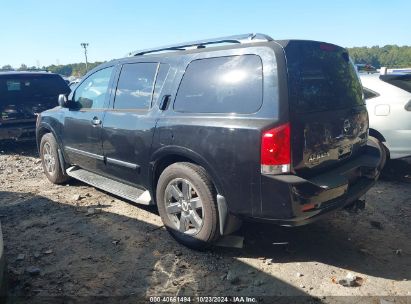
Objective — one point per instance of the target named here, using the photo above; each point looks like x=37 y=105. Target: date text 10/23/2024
x=199 y=299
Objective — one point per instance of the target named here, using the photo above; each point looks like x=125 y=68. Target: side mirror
x=62 y=101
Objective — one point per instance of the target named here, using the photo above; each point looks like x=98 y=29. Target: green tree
x=7 y=67
x=391 y=56
x=23 y=67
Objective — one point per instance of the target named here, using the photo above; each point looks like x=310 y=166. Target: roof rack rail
x=245 y=38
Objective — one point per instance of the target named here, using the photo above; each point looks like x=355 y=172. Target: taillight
x=276 y=150
x=327 y=47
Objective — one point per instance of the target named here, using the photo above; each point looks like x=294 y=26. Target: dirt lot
x=74 y=240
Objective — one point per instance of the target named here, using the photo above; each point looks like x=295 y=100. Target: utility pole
x=85 y=45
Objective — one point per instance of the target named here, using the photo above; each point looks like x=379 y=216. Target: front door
x=83 y=121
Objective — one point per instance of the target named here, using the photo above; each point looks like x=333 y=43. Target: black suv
x=218 y=131
x=22 y=96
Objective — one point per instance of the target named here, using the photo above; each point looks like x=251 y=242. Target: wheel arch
x=377 y=135
x=42 y=129
x=45 y=128
x=170 y=155
x=381 y=138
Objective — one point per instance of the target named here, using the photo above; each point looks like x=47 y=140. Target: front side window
x=232 y=84
x=135 y=86
x=92 y=92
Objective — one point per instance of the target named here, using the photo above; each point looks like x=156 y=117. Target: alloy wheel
x=49 y=159
x=184 y=206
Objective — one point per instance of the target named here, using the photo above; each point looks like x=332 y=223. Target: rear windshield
x=29 y=86
x=321 y=77
x=400 y=81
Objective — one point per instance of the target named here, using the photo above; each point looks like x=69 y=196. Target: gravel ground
x=74 y=240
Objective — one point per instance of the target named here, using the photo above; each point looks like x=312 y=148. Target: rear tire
x=386 y=154
x=186 y=201
x=51 y=161
x=387 y=171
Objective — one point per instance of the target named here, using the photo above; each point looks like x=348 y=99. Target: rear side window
x=400 y=81
x=321 y=77
x=135 y=86
x=231 y=84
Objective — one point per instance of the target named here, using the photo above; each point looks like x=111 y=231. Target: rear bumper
x=18 y=132
x=301 y=201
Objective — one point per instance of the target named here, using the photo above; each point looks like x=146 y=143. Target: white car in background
x=388 y=99
x=74 y=83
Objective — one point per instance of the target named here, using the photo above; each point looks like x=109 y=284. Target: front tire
x=50 y=160
x=186 y=201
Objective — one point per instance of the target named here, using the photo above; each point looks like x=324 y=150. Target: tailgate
x=327 y=112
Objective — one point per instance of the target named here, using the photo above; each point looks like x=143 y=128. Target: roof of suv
x=201 y=44
x=213 y=44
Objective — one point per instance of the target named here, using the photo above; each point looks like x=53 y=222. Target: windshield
x=15 y=87
x=321 y=77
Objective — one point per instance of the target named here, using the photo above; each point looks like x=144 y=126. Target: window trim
x=141 y=110
x=153 y=102
x=221 y=113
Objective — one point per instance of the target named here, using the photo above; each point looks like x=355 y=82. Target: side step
x=117 y=188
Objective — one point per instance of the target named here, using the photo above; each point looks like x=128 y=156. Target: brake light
x=327 y=47
x=276 y=150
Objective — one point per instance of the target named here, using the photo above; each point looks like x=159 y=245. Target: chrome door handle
x=96 y=121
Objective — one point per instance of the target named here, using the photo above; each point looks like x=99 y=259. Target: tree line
x=73 y=69
x=391 y=56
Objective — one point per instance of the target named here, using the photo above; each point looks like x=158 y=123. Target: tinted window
x=92 y=92
x=368 y=94
x=18 y=87
x=135 y=86
x=366 y=68
x=221 y=85
x=321 y=77
x=161 y=77
x=400 y=81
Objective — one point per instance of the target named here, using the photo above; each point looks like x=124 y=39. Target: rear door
x=328 y=116
x=83 y=121
x=129 y=124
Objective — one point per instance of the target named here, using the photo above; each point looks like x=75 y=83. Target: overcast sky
x=44 y=32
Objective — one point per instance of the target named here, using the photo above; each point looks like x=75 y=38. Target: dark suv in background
x=22 y=96
x=218 y=131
